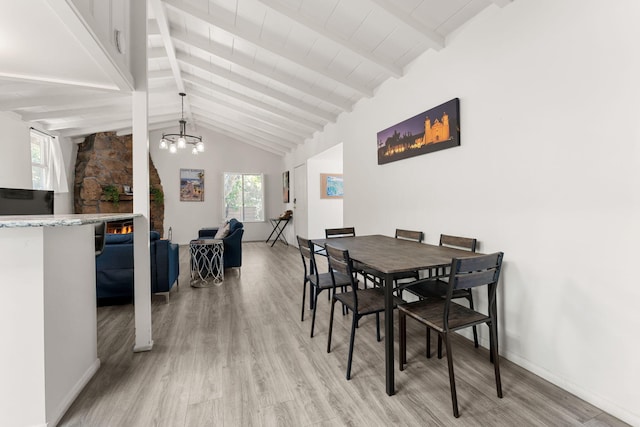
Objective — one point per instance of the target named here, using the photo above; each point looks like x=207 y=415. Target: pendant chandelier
x=173 y=141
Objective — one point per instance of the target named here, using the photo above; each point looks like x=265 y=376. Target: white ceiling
x=265 y=72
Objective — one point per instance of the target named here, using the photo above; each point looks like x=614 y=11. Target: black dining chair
x=100 y=231
x=435 y=286
x=317 y=281
x=331 y=233
x=361 y=302
x=445 y=316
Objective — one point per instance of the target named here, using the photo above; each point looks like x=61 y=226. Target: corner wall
x=221 y=155
x=547 y=172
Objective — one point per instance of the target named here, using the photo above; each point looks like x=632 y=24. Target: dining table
x=388 y=256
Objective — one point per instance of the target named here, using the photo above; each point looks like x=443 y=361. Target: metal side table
x=206 y=262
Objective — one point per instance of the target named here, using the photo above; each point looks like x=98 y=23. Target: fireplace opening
x=120 y=227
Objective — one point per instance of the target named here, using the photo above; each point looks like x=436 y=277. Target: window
x=47 y=166
x=39 y=160
x=244 y=197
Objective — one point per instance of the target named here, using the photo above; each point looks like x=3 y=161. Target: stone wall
x=106 y=159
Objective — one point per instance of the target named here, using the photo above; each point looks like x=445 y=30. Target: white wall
x=15 y=162
x=221 y=155
x=323 y=213
x=547 y=172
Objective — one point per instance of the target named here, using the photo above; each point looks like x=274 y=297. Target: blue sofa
x=232 y=256
x=114 y=268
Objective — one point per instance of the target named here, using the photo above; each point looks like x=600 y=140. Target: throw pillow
x=222 y=231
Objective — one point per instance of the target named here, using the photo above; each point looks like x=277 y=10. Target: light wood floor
x=238 y=355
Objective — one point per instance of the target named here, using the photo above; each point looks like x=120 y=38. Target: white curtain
x=57 y=176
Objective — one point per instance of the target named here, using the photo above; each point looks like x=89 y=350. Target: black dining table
x=388 y=256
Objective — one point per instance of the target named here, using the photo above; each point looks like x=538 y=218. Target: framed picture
x=432 y=130
x=192 y=185
x=285 y=187
x=331 y=186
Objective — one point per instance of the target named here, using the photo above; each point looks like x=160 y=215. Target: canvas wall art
x=192 y=185
x=331 y=186
x=432 y=130
x=285 y=187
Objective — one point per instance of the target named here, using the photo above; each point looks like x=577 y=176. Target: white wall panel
x=547 y=172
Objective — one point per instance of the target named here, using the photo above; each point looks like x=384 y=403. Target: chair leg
x=351 y=341
x=475 y=329
x=304 y=296
x=428 y=342
x=439 y=347
x=402 y=326
x=452 y=379
x=496 y=359
x=313 y=316
x=378 y=327
x=333 y=306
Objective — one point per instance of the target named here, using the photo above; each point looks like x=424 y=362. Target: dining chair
x=361 y=302
x=445 y=316
x=331 y=233
x=318 y=282
x=435 y=286
x=100 y=231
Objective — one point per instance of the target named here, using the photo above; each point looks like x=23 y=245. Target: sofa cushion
x=118 y=239
x=234 y=225
x=223 y=231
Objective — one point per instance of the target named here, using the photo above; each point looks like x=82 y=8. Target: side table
x=278 y=227
x=206 y=262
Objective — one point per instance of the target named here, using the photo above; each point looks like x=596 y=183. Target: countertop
x=17 y=221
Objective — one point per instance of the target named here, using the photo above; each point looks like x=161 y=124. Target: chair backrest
x=339 y=232
x=305 y=252
x=458 y=242
x=467 y=273
x=100 y=238
x=418 y=236
x=340 y=262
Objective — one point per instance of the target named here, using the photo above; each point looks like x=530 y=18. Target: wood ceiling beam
x=248 y=132
x=268 y=130
x=268 y=72
x=257 y=87
x=245 y=137
x=106 y=127
x=61 y=101
x=433 y=39
x=251 y=101
x=163 y=26
x=221 y=19
x=313 y=25
x=293 y=126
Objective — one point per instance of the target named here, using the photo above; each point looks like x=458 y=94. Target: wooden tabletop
x=390 y=255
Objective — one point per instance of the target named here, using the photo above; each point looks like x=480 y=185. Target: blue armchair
x=114 y=267
x=232 y=243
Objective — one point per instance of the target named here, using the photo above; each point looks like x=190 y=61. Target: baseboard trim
x=74 y=392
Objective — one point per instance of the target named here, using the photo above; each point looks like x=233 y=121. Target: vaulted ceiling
x=269 y=73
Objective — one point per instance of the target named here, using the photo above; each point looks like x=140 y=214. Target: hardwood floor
x=238 y=355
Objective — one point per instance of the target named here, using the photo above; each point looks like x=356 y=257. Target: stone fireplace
x=105 y=159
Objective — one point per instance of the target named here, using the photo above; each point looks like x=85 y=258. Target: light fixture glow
x=175 y=141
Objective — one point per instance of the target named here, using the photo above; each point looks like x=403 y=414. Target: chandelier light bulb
x=182 y=142
x=194 y=151
x=163 y=144
x=173 y=148
x=200 y=146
